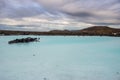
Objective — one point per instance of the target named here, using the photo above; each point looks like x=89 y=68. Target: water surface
x=60 y=58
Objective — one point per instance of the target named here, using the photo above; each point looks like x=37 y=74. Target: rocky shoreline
x=91 y=31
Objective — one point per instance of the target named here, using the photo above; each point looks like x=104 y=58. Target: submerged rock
x=24 y=40
x=117 y=73
x=33 y=54
x=44 y=78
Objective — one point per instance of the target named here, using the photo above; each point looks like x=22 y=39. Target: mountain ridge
x=90 y=31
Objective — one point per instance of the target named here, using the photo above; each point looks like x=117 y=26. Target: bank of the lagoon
x=90 y=31
x=60 y=58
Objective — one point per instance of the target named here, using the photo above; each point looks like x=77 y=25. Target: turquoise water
x=60 y=58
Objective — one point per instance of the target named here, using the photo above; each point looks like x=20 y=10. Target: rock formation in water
x=23 y=40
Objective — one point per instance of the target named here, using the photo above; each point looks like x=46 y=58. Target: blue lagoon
x=60 y=58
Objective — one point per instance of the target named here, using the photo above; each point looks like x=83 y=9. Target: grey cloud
x=80 y=14
x=104 y=23
x=8 y=27
x=98 y=12
x=19 y=8
x=89 y=10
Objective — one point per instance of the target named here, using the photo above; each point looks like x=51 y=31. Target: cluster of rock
x=24 y=40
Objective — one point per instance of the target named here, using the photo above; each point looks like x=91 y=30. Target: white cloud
x=59 y=14
x=43 y=24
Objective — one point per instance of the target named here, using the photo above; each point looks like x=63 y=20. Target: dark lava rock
x=44 y=78
x=24 y=40
x=117 y=73
x=33 y=54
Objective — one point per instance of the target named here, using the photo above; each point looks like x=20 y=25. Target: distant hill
x=94 y=30
x=102 y=30
x=90 y=31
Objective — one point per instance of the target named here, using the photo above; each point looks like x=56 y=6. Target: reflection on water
x=60 y=58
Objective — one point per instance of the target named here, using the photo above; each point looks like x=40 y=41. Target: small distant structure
x=114 y=34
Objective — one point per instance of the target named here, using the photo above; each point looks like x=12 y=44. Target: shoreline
x=12 y=33
x=92 y=31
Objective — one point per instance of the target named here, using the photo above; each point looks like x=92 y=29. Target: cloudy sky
x=45 y=15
